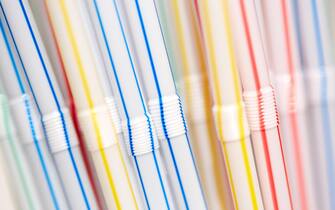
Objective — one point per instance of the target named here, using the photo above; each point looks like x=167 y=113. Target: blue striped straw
x=324 y=102
x=125 y=105
x=164 y=121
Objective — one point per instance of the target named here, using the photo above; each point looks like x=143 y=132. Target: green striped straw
x=26 y=190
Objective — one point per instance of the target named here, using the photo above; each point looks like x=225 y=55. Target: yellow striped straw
x=205 y=93
x=237 y=90
x=93 y=112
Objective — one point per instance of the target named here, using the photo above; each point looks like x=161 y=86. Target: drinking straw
x=110 y=99
x=167 y=21
x=284 y=63
x=58 y=125
x=43 y=168
x=318 y=63
x=48 y=37
x=187 y=61
x=228 y=109
x=141 y=141
x=27 y=192
x=164 y=104
x=319 y=159
x=7 y=193
x=41 y=18
x=261 y=108
x=100 y=132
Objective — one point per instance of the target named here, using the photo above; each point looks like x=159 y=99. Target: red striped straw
x=73 y=112
x=261 y=107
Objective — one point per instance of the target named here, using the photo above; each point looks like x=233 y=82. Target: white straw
x=260 y=103
x=318 y=66
x=285 y=65
x=164 y=104
x=228 y=109
x=143 y=148
x=25 y=186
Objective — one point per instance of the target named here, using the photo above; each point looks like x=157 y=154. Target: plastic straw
x=284 y=62
x=27 y=193
x=99 y=131
x=187 y=61
x=261 y=109
x=8 y=198
x=48 y=37
x=142 y=144
x=43 y=168
x=57 y=122
x=164 y=104
x=228 y=106
x=319 y=70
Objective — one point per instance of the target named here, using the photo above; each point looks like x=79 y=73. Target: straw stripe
x=90 y=102
x=153 y=68
x=293 y=115
x=324 y=102
x=67 y=138
x=31 y=124
x=123 y=100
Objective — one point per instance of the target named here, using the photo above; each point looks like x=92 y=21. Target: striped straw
x=187 y=62
x=59 y=65
x=27 y=191
x=284 y=61
x=261 y=108
x=316 y=58
x=8 y=198
x=234 y=139
x=142 y=145
x=164 y=104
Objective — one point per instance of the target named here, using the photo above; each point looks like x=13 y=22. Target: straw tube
x=29 y=127
x=110 y=98
x=318 y=65
x=141 y=141
x=259 y=98
x=100 y=131
x=47 y=33
x=187 y=61
x=228 y=110
x=289 y=84
x=164 y=104
x=58 y=125
x=7 y=194
x=27 y=195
